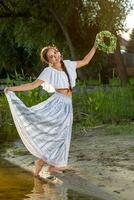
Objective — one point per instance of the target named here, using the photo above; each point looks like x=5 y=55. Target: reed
x=92 y=106
x=106 y=105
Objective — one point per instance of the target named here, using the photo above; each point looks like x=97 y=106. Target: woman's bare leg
x=52 y=168
x=38 y=166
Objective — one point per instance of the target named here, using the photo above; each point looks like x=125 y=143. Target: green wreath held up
x=106 y=42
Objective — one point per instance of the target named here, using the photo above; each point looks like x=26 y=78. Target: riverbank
x=100 y=164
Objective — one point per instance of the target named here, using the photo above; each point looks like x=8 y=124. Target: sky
x=129 y=23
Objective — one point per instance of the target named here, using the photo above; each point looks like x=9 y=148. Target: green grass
x=113 y=105
x=20 y=152
x=131 y=149
x=120 y=129
x=110 y=105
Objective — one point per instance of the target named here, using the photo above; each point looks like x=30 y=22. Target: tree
x=111 y=16
x=72 y=25
x=32 y=25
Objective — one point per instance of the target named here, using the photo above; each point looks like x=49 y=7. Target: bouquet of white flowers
x=106 y=42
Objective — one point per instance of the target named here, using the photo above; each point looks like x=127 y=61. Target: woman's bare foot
x=54 y=169
x=38 y=166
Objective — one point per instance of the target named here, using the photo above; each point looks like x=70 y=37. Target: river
x=17 y=184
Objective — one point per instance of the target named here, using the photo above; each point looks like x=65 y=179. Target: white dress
x=45 y=128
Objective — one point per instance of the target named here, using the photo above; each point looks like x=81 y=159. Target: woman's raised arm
x=29 y=86
x=87 y=58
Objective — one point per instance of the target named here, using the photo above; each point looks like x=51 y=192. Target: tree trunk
x=68 y=39
x=121 y=70
x=69 y=42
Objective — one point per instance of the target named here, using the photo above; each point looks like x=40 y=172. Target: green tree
x=111 y=15
x=27 y=26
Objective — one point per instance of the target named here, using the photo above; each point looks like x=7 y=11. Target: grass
x=112 y=105
x=120 y=129
x=131 y=149
x=103 y=105
x=20 y=152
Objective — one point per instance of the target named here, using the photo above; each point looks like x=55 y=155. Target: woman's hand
x=95 y=43
x=7 y=89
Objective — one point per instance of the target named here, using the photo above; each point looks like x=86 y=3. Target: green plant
x=111 y=105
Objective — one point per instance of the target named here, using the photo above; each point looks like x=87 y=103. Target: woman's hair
x=43 y=54
x=44 y=59
x=65 y=70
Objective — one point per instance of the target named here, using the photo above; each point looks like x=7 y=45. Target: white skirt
x=45 y=128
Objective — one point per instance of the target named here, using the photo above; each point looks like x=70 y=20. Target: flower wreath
x=106 y=42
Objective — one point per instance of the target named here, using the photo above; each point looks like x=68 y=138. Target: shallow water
x=17 y=184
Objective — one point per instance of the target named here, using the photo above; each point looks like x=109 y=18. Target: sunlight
x=129 y=24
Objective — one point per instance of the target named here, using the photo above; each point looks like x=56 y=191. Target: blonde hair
x=43 y=53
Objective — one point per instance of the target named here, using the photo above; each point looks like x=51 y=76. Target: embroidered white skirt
x=45 y=128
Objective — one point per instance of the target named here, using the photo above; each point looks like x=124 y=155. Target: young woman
x=45 y=128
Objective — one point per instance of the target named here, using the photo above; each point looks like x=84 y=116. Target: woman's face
x=54 y=56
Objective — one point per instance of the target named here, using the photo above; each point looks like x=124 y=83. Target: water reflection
x=52 y=189
x=17 y=184
x=14 y=182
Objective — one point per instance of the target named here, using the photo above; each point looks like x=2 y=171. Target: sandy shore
x=100 y=164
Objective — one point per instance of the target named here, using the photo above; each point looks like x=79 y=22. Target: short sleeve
x=44 y=74
x=46 y=77
x=70 y=64
x=73 y=63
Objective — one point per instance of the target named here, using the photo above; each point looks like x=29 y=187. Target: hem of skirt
x=53 y=163
x=33 y=145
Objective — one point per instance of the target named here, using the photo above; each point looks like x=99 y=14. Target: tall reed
x=110 y=105
x=92 y=106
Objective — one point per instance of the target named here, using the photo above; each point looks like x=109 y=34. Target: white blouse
x=55 y=79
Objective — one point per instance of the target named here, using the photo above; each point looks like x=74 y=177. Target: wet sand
x=99 y=164
x=107 y=160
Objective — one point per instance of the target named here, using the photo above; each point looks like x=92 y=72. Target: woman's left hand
x=6 y=90
x=95 y=43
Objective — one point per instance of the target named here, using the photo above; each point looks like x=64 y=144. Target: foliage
x=105 y=105
x=27 y=26
x=120 y=129
x=92 y=106
x=7 y=129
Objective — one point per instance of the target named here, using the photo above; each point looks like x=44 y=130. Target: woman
x=45 y=129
